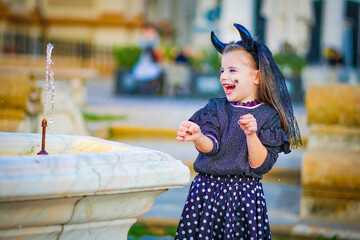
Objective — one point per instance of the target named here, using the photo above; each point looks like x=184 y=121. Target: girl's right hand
x=188 y=131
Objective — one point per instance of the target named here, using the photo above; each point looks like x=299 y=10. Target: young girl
x=238 y=139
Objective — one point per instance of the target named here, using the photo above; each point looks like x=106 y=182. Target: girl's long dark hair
x=272 y=89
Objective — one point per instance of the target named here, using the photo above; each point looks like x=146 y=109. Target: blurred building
x=309 y=26
x=87 y=29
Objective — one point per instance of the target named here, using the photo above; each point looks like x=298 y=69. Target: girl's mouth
x=228 y=88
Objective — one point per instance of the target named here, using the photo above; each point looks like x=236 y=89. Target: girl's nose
x=223 y=76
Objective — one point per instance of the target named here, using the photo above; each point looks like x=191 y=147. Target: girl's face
x=239 y=76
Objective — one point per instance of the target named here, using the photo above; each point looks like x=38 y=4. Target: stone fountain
x=86 y=188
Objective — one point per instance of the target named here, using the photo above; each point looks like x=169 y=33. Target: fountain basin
x=86 y=188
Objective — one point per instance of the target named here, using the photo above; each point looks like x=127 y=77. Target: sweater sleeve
x=208 y=122
x=273 y=137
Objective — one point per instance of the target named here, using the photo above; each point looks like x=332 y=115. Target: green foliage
x=126 y=56
x=324 y=238
x=208 y=62
x=97 y=117
x=139 y=230
x=290 y=64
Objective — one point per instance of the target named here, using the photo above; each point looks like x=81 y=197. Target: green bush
x=126 y=56
x=208 y=62
x=290 y=64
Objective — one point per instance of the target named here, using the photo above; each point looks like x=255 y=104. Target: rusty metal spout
x=44 y=125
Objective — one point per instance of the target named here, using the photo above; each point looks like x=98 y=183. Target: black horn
x=247 y=40
x=217 y=43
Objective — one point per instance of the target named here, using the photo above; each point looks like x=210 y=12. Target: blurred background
x=131 y=71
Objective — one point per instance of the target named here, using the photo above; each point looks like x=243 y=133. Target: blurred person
x=334 y=57
x=238 y=138
x=181 y=57
x=147 y=73
x=336 y=71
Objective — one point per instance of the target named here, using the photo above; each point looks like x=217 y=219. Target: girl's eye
x=232 y=70
x=221 y=70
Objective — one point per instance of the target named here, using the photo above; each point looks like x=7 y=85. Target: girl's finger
x=183 y=129
x=251 y=124
x=247 y=116
x=181 y=133
x=180 y=139
x=192 y=129
x=187 y=124
x=246 y=121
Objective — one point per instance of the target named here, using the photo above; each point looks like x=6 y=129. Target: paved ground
x=159 y=112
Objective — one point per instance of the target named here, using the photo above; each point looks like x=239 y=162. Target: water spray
x=49 y=80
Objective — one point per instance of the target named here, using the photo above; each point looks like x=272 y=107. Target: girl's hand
x=248 y=124
x=188 y=131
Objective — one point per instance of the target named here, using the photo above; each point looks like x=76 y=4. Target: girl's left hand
x=248 y=124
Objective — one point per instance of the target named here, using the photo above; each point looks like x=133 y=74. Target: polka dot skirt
x=227 y=207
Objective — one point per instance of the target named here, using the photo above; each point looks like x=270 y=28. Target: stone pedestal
x=330 y=202
x=86 y=188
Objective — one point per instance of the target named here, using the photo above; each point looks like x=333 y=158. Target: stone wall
x=330 y=202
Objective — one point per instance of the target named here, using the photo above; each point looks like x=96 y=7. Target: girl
x=238 y=139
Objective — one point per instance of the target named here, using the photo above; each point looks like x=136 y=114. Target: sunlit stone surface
x=86 y=188
x=330 y=202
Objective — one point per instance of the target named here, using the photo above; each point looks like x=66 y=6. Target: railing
x=22 y=49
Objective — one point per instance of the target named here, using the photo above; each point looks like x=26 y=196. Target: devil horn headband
x=247 y=40
x=217 y=43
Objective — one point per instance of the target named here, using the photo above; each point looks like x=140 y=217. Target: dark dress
x=226 y=199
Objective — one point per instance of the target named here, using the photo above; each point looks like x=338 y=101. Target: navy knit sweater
x=219 y=121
